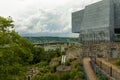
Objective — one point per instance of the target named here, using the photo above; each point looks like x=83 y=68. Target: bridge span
x=55 y=43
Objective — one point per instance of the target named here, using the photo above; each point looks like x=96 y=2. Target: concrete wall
x=73 y=53
x=107 y=50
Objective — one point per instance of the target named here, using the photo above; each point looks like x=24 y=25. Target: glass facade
x=117 y=13
x=89 y=37
x=99 y=22
x=77 y=18
x=96 y=15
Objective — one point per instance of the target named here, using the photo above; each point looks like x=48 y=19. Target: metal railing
x=107 y=70
x=97 y=71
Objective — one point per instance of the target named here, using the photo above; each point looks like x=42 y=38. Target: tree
x=6 y=24
x=39 y=55
x=58 y=52
x=15 y=51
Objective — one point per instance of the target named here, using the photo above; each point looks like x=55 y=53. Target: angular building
x=98 y=22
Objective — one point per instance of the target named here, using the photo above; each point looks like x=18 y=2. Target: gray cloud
x=36 y=20
x=43 y=22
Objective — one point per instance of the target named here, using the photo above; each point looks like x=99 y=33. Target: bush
x=67 y=63
x=76 y=74
x=44 y=70
x=63 y=53
x=47 y=76
x=42 y=64
x=64 y=76
x=50 y=76
x=73 y=73
x=80 y=75
x=118 y=62
x=78 y=66
x=53 y=69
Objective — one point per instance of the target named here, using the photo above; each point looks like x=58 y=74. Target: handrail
x=97 y=70
x=105 y=69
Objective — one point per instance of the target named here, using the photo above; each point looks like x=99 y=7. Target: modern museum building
x=98 y=22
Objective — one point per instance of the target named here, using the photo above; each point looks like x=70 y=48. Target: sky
x=42 y=17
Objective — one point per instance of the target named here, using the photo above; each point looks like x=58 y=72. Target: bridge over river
x=55 y=43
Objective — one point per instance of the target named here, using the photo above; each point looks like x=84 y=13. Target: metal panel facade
x=96 y=15
x=117 y=13
x=98 y=21
x=76 y=21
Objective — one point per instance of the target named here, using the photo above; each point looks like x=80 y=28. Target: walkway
x=89 y=70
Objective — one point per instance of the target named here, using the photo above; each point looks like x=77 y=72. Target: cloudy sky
x=42 y=17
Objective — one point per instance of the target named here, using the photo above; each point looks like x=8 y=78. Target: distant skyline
x=42 y=17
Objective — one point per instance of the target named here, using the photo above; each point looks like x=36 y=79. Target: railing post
x=110 y=71
x=95 y=60
x=100 y=64
x=29 y=78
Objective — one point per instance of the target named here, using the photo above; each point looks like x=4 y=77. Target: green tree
x=58 y=52
x=6 y=24
x=39 y=55
x=15 y=51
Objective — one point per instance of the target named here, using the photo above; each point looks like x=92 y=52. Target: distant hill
x=51 y=39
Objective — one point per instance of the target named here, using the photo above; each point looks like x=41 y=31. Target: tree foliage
x=41 y=55
x=15 y=51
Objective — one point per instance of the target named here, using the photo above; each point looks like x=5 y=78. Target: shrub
x=73 y=73
x=44 y=70
x=118 y=62
x=47 y=76
x=78 y=66
x=51 y=69
x=80 y=75
x=63 y=53
x=64 y=76
x=67 y=63
x=42 y=64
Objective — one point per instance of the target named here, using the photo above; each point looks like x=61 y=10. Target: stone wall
x=106 y=50
x=73 y=53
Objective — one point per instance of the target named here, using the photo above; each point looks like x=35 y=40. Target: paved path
x=89 y=70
